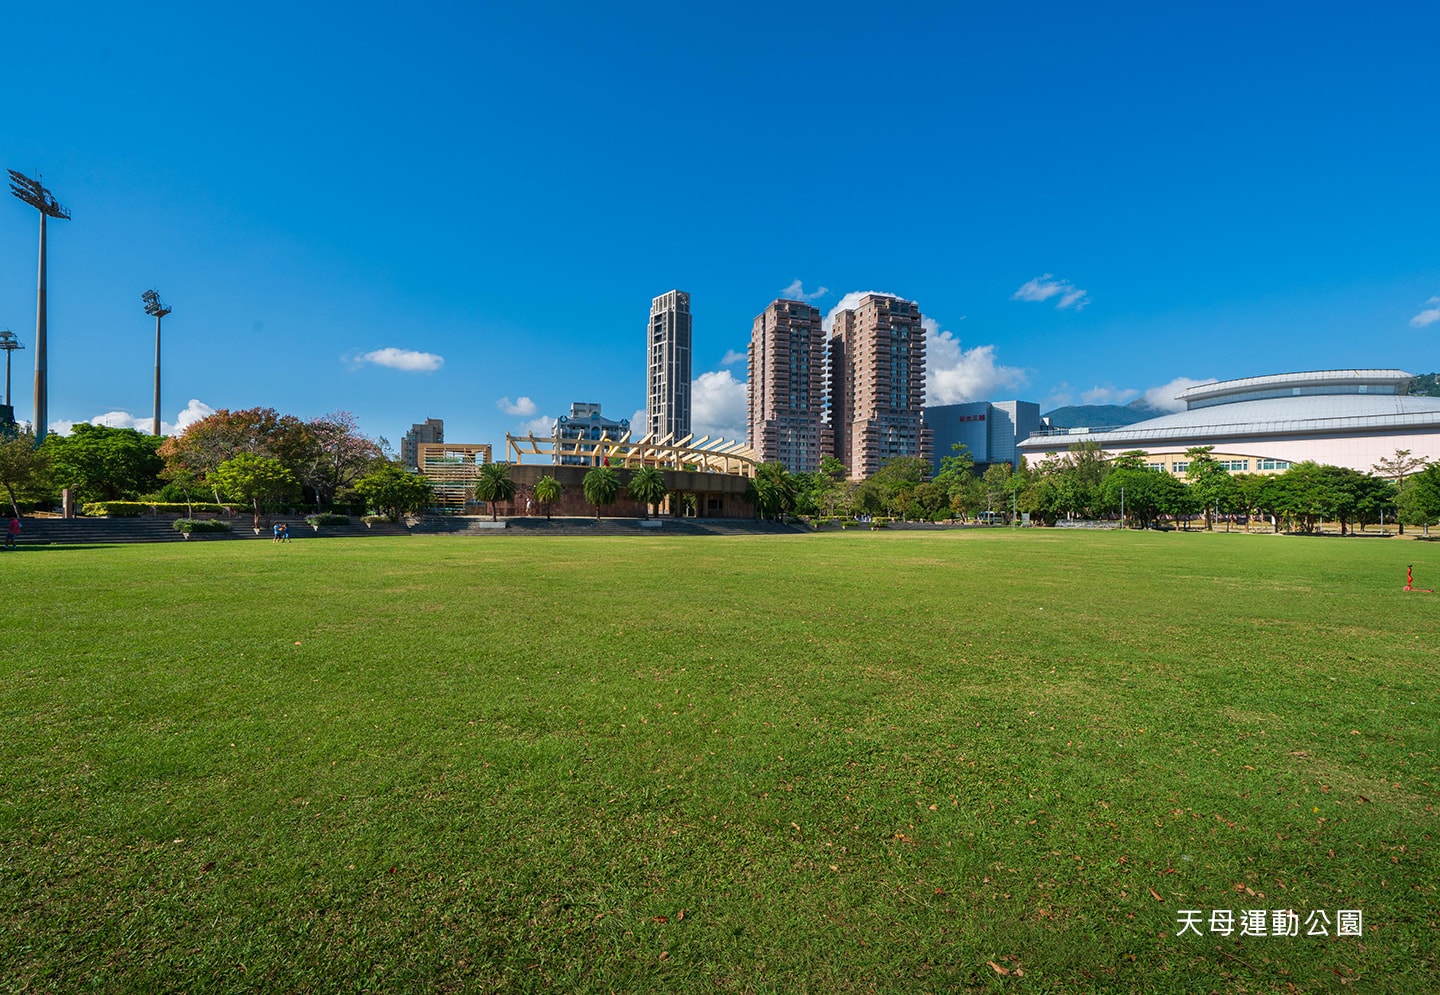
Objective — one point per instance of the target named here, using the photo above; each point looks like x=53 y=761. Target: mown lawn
x=978 y=761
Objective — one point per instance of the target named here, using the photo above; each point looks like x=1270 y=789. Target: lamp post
x=1122 y=509
x=32 y=193
x=9 y=343
x=154 y=306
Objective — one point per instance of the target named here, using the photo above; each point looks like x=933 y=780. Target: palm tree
x=647 y=485
x=601 y=486
x=547 y=492
x=772 y=490
x=494 y=484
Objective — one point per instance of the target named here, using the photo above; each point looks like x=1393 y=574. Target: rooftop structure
x=1351 y=418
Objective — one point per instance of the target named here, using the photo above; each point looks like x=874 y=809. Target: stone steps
x=70 y=531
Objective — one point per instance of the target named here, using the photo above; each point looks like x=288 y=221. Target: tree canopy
x=260 y=481
x=601 y=487
x=99 y=463
x=393 y=491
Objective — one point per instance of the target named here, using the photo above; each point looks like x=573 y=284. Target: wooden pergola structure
x=703 y=455
x=452 y=469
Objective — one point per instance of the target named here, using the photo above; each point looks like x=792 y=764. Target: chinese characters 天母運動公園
x=1268 y=922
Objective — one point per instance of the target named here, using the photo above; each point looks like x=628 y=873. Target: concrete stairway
x=68 y=531
x=605 y=527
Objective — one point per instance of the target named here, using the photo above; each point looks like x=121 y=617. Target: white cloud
x=796 y=292
x=954 y=375
x=1428 y=316
x=1109 y=395
x=639 y=423
x=1044 y=287
x=403 y=359
x=522 y=408
x=1059 y=397
x=543 y=425
x=1162 y=398
x=849 y=303
x=192 y=412
x=732 y=357
x=718 y=405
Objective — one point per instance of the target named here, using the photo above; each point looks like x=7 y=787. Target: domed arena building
x=1350 y=418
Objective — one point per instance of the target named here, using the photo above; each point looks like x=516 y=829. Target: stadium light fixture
x=9 y=343
x=156 y=308
x=34 y=193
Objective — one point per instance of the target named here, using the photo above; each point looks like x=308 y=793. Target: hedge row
x=134 y=509
x=188 y=525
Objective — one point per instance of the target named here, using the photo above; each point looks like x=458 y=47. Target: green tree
x=547 y=492
x=394 y=491
x=998 y=487
x=772 y=490
x=1210 y=483
x=647 y=485
x=1419 y=502
x=1399 y=468
x=261 y=481
x=493 y=484
x=1147 y=493
x=336 y=454
x=23 y=468
x=217 y=437
x=99 y=463
x=1257 y=494
x=601 y=487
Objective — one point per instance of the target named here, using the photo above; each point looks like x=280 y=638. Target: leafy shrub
x=880 y=523
x=327 y=518
x=115 y=509
x=188 y=525
x=375 y=519
x=132 y=509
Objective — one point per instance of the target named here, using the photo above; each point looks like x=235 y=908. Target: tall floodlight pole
x=154 y=307
x=32 y=193
x=9 y=343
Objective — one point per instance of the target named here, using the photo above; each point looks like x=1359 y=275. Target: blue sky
x=463 y=210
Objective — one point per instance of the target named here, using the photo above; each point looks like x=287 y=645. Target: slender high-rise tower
x=667 y=403
x=787 y=387
x=877 y=371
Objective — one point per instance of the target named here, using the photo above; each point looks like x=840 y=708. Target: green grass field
x=853 y=762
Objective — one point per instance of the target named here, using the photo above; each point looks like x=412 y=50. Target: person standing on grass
x=276 y=530
x=12 y=534
x=284 y=531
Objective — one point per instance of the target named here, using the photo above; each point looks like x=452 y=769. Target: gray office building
x=428 y=431
x=991 y=430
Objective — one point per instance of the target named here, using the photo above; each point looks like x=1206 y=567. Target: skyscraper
x=787 y=387
x=877 y=384
x=667 y=405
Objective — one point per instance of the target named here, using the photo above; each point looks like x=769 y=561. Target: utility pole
x=32 y=193
x=154 y=307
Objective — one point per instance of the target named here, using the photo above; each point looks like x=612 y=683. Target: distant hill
x=1426 y=385
x=1100 y=415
